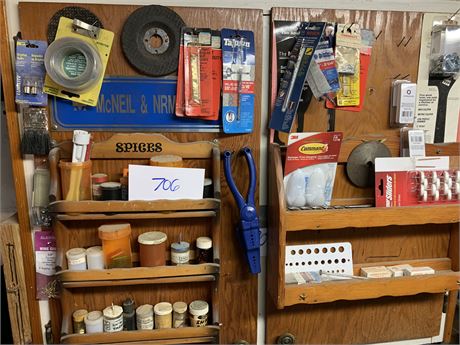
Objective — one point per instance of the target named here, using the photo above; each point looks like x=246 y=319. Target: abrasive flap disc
x=360 y=163
x=151 y=38
x=72 y=12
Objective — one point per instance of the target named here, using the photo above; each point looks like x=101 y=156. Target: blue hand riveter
x=248 y=227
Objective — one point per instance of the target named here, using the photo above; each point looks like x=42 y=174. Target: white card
x=154 y=183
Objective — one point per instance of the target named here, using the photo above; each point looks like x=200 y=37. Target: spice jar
x=95 y=258
x=94 y=322
x=78 y=321
x=180 y=253
x=111 y=191
x=116 y=245
x=129 y=322
x=144 y=317
x=113 y=318
x=163 y=315
x=204 y=250
x=76 y=259
x=152 y=249
x=96 y=180
x=198 y=313
x=179 y=314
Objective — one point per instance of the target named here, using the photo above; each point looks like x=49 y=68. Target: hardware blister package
x=238 y=69
x=30 y=72
x=293 y=80
x=309 y=172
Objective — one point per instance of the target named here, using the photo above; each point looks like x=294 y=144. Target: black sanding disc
x=72 y=12
x=361 y=162
x=151 y=38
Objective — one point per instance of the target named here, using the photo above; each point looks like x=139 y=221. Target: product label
x=199 y=321
x=78 y=261
x=180 y=258
x=178 y=323
x=145 y=322
x=45 y=262
x=114 y=325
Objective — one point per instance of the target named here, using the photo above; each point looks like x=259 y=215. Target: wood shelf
x=350 y=290
x=139 y=275
x=165 y=207
x=370 y=217
x=189 y=335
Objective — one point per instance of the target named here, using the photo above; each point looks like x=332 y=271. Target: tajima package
x=409 y=181
x=238 y=74
x=309 y=171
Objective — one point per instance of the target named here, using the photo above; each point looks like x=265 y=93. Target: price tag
x=155 y=183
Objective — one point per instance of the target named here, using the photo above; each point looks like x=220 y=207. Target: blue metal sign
x=129 y=104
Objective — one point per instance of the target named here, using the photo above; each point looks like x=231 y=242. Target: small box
x=418 y=271
x=398 y=270
x=376 y=272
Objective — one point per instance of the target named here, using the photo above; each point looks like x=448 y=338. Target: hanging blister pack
x=238 y=75
x=30 y=72
x=293 y=79
x=198 y=72
x=347 y=54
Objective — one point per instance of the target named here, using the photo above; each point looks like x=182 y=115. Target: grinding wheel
x=151 y=38
x=360 y=163
x=72 y=12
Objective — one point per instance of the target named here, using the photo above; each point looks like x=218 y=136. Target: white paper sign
x=154 y=183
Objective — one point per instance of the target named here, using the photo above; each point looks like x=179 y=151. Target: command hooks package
x=238 y=71
x=309 y=171
x=76 y=60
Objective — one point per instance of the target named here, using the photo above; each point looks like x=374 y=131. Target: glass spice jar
x=204 y=250
x=163 y=315
x=179 y=314
x=78 y=321
x=180 y=253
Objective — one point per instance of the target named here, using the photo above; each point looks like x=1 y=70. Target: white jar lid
x=144 y=310
x=113 y=311
x=198 y=308
x=75 y=253
x=204 y=242
x=94 y=251
x=152 y=237
x=180 y=307
x=93 y=317
x=163 y=308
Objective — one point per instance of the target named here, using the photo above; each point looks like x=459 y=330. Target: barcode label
x=416 y=142
x=406 y=114
x=416 y=139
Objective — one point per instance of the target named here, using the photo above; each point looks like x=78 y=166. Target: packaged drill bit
x=30 y=72
x=293 y=80
x=238 y=69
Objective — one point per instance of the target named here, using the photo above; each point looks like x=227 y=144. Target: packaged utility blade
x=180 y=97
x=197 y=72
x=238 y=69
x=293 y=80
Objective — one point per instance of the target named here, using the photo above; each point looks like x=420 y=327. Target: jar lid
x=207 y=181
x=152 y=237
x=199 y=308
x=163 y=308
x=93 y=315
x=75 y=252
x=180 y=247
x=113 y=311
x=114 y=231
x=110 y=185
x=204 y=242
x=180 y=307
x=128 y=305
x=96 y=250
x=99 y=178
x=144 y=310
x=79 y=315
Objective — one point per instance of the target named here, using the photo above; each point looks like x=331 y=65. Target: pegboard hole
x=300 y=251
x=316 y=250
x=292 y=252
x=332 y=250
x=308 y=251
x=341 y=249
x=324 y=250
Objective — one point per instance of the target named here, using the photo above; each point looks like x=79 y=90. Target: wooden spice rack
x=75 y=224
x=342 y=222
